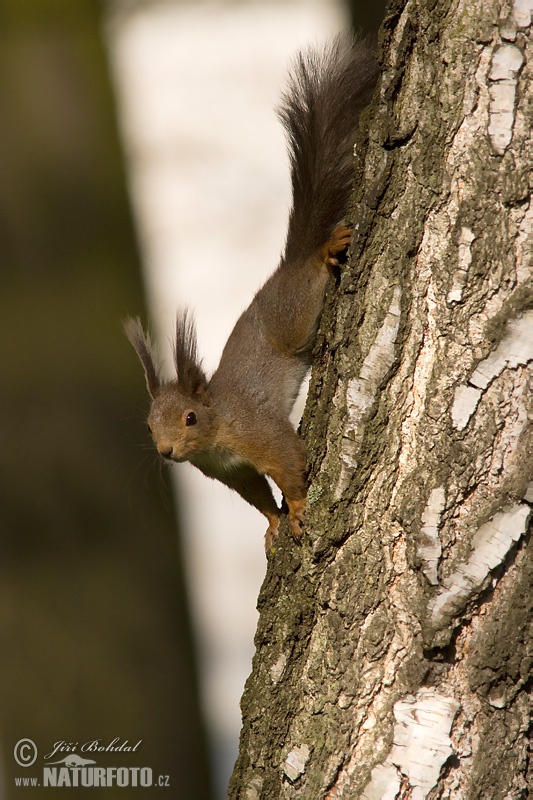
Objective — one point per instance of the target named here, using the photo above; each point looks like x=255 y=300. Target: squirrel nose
x=165 y=450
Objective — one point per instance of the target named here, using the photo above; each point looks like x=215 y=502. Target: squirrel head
x=182 y=420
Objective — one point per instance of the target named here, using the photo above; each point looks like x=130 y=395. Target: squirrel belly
x=235 y=427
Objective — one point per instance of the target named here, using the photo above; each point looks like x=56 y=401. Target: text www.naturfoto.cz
x=94 y=776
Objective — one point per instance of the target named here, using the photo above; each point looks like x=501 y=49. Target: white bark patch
x=506 y=64
x=420 y=747
x=464 y=404
x=385 y=783
x=362 y=390
x=523 y=12
x=429 y=546
x=498 y=696
x=515 y=349
x=464 y=259
x=490 y=544
x=277 y=669
x=508 y=30
x=253 y=790
x=523 y=246
x=295 y=763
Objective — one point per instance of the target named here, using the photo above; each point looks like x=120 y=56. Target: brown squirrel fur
x=235 y=427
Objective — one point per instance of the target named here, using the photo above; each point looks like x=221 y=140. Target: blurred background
x=142 y=168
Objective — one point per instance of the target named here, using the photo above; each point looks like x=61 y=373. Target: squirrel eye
x=190 y=418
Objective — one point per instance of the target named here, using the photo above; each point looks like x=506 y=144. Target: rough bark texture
x=393 y=651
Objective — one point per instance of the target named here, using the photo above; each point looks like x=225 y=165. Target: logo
x=74 y=761
x=74 y=770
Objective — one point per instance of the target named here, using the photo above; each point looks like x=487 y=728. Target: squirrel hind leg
x=337 y=244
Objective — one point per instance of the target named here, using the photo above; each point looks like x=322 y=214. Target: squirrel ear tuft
x=192 y=380
x=143 y=347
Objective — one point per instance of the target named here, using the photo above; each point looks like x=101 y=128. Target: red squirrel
x=235 y=426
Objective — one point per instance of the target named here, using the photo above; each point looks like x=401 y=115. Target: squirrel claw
x=271 y=534
x=337 y=243
x=297 y=518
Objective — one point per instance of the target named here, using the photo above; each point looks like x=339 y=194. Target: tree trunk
x=392 y=649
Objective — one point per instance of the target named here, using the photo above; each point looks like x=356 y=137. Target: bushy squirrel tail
x=326 y=92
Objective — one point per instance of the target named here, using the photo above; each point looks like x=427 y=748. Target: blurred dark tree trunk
x=366 y=17
x=394 y=648
x=96 y=641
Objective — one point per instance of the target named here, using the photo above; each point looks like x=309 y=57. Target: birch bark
x=394 y=648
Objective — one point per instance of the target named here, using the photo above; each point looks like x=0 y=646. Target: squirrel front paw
x=271 y=533
x=296 y=518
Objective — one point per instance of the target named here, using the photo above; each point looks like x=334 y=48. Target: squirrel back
x=235 y=427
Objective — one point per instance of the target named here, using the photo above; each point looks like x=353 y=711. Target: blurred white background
x=196 y=85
